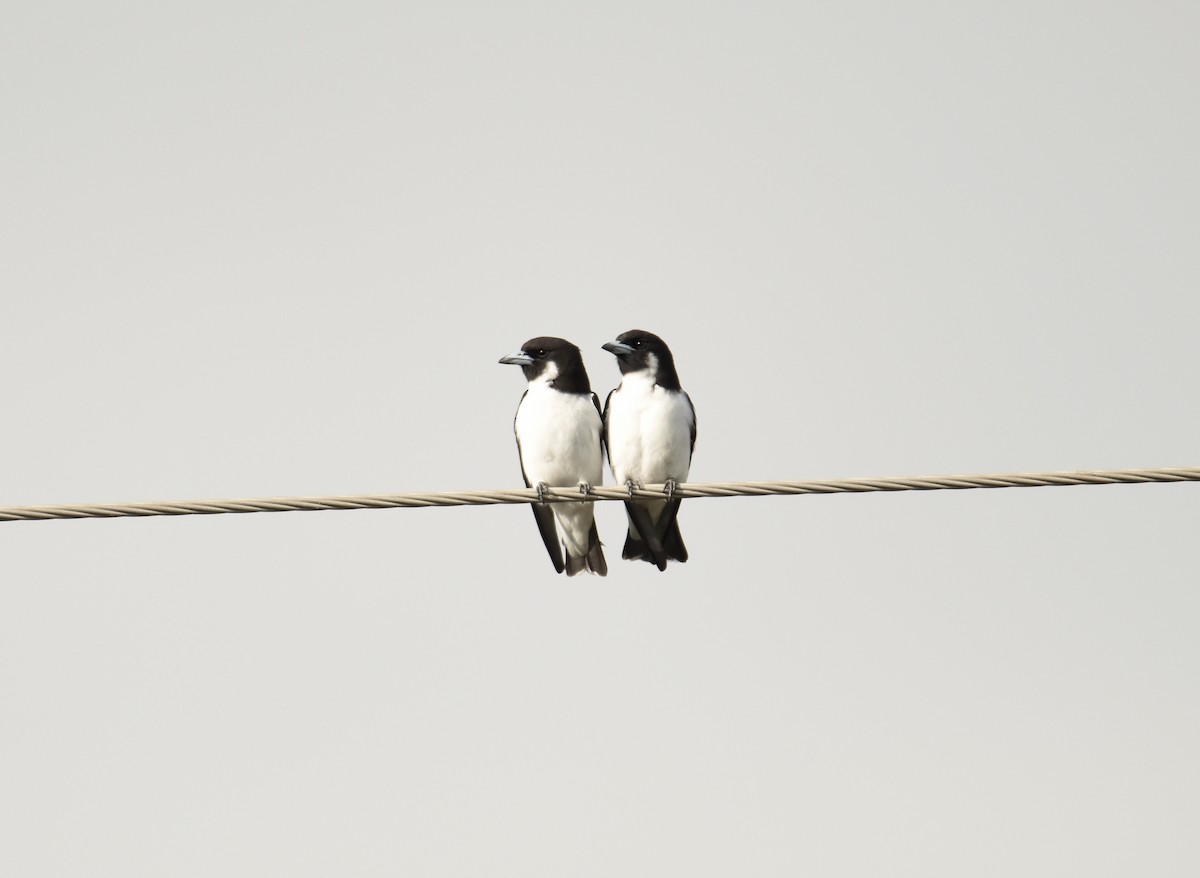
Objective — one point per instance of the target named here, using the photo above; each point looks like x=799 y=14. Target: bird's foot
x=585 y=489
x=670 y=486
x=541 y=488
x=631 y=486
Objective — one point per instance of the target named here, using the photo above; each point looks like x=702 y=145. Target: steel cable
x=690 y=490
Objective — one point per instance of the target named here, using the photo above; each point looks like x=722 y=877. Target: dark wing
x=544 y=517
x=672 y=539
x=603 y=432
x=668 y=526
x=542 y=514
x=693 y=445
x=604 y=415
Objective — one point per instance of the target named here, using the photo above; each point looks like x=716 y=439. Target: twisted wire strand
x=597 y=493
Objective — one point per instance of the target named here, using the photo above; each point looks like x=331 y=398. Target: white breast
x=649 y=432
x=559 y=435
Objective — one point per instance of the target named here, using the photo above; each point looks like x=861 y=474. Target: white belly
x=559 y=435
x=649 y=433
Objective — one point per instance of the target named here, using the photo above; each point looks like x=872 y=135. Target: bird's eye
x=539 y=353
x=636 y=345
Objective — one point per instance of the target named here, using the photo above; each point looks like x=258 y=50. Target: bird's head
x=554 y=361
x=638 y=350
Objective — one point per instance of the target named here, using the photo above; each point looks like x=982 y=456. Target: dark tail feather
x=646 y=546
x=667 y=543
x=673 y=548
x=593 y=561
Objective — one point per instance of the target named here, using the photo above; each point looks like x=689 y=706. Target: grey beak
x=520 y=358
x=617 y=347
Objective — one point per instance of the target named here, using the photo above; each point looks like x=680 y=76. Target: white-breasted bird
x=558 y=427
x=650 y=432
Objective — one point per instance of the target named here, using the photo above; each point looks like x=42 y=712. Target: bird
x=650 y=433
x=558 y=427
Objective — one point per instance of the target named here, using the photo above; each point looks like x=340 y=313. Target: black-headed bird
x=558 y=428
x=650 y=431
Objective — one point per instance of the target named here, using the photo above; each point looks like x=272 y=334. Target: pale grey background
x=263 y=248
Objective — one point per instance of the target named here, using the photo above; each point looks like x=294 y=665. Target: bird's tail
x=673 y=547
x=593 y=561
x=666 y=542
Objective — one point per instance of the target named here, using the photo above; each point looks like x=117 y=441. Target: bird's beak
x=618 y=347
x=520 y=358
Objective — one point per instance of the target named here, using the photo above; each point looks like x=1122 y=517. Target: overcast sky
x=253 y=249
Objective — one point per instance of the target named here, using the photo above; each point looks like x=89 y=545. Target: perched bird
x=650 y=431
x=558 y=439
